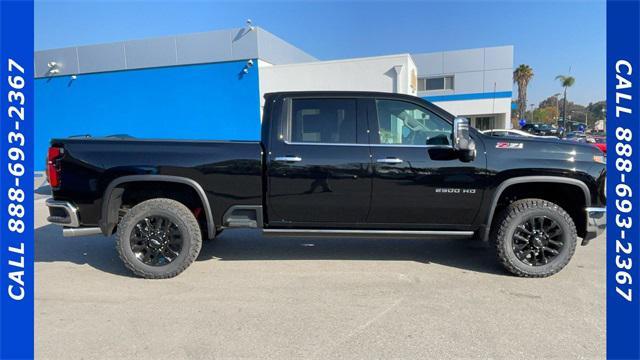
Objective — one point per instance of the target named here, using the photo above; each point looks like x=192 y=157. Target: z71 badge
x=509 y=145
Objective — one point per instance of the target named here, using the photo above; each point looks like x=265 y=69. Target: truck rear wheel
x=158 y=238
x=534 y=238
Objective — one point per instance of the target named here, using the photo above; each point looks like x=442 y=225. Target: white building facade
x=474 y=83
x=391 y=73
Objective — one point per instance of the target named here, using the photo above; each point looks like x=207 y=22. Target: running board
x=363 y=233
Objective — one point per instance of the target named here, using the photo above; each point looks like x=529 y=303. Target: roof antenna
x=250 y=25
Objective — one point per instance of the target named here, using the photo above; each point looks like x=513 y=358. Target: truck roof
x=339 y=93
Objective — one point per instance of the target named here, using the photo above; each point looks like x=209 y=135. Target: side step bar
x=363 y=233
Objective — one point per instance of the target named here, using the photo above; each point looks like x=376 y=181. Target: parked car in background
x=514 y=133
x=540 y=129
x=598 y=141
x=601 y=142
x=577 y=136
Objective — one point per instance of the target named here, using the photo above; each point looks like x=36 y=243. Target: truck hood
x=544 y=152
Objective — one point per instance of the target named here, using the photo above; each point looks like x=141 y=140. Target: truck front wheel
x=158 y=238
x=534 y=238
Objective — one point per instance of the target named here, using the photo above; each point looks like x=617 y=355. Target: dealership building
x=210 y=85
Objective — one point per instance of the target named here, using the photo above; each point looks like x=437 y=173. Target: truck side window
x=404 y=123
x=323 y=120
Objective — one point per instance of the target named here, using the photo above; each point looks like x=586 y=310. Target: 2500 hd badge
x=333 y=164
x=456 y=191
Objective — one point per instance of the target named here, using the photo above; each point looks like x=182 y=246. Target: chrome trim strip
x=374 y=145
x=390 y=161
x=288 y=158
x=70 y=209
x=414 y=146
x=322 y=144
x=369 y=232
x=81 y=231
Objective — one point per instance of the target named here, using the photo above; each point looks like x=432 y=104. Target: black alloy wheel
x=534 y=238
x=158 y=238
x=156 y=241
x=538 y=240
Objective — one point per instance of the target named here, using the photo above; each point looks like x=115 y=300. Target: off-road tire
x=179 y=215
x=512 y=216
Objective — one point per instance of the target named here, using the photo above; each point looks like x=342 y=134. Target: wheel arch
x=529 y=179
x=112 y=198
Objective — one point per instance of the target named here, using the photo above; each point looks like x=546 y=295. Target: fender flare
x=109 y=218
x=530 y=179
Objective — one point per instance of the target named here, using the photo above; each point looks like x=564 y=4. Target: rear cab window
x=330 y=121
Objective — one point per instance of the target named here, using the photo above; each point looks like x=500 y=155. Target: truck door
x=418 y=180
x=318 y=165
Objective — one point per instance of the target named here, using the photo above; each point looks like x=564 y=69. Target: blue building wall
x=205 y=102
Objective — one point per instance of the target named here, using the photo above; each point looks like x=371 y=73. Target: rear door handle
x=289 y=158
x=390 y=161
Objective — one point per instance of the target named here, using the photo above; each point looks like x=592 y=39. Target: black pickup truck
x=337 y=164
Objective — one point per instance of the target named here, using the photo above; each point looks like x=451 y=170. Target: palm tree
x=521 y=76
x=566 y=82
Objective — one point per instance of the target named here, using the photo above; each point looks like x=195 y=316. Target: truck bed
x=229 y=172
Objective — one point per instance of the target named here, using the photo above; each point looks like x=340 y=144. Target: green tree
x=551 y=101
x=566 y=82
x=597 y=111
x=545 y=114
x=521 y=76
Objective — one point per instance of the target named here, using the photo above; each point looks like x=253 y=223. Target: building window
x=435 y=83
x=485 y=123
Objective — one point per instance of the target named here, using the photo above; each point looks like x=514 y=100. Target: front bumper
x=596 y=223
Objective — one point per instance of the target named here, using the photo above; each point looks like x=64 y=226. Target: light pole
x=531 y=111
x=586 y=117
x=557 y=97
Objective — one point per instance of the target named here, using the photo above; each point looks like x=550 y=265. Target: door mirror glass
x=462 y=141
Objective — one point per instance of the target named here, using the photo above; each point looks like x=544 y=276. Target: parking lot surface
x=249 y=296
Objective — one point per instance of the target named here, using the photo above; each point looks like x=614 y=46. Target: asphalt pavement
x=249 y=296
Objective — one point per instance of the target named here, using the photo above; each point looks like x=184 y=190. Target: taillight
x=53 y=170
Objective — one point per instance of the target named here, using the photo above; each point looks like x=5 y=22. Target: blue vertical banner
x=16 y=180
x=623 y=178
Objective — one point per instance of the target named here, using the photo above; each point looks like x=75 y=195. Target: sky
x=553 y=37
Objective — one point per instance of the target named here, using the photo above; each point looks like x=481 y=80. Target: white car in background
x=515 y=133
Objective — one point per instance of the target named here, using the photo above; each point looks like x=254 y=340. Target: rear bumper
x=596 y=223
x=66 y=214
x=63 y=213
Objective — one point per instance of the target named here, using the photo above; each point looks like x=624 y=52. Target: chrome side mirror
x=462 y=141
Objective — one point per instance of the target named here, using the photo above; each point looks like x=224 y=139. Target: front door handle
x=390 y=161
x=289 y=158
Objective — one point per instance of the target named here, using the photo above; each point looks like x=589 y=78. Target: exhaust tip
x=73 y=232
